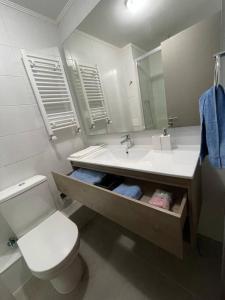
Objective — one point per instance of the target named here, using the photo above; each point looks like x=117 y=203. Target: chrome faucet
x=128 y=140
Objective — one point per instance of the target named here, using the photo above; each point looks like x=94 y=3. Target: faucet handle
x=165 y=131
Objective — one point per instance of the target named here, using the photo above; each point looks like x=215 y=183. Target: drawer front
x=161 y=227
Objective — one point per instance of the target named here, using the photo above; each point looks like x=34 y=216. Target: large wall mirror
x=143 y=64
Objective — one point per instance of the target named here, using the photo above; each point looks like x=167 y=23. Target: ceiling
x=154 y=22
x=48 y=8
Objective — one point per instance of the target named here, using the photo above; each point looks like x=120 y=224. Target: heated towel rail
x=49 y=83
x=90 y=86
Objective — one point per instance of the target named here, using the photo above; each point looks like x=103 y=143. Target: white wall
x=74 y=16
x=24 y=146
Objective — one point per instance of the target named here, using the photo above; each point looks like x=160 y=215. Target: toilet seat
x=50 y=246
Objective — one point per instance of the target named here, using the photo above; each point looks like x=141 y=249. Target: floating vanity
x=175 y=171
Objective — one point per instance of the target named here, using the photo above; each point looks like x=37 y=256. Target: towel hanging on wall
x=212 y=116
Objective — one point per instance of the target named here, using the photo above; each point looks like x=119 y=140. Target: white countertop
x=179 y=162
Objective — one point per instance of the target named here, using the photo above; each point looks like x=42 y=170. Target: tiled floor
x=122 y=266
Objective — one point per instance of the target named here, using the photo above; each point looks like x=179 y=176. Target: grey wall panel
x=188 y=68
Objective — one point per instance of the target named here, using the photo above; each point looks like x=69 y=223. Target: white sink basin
x=180 y=162
x=118 y=154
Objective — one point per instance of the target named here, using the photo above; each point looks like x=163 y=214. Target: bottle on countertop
x=156 y=142
x=165 y=140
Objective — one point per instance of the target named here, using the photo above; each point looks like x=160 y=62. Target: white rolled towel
x=87 y=151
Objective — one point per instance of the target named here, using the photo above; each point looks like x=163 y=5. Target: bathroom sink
x=180 y=162
x=120 y=154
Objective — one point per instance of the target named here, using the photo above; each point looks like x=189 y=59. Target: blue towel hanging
x=212 y=114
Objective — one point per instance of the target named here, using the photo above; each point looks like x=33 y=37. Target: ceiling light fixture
x=131 y=5
x=134 y=5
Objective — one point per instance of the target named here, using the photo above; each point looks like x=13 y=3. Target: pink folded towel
x=161 y=199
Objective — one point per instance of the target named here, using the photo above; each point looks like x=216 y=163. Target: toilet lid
x=48 y=244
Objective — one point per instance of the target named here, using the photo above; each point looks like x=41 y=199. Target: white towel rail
x=90 y=85
x=49 y=83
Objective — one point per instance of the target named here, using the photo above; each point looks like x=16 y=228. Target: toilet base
x=69 y=278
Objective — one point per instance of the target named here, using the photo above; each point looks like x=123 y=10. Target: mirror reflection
x=127 y=67
x=152 y=89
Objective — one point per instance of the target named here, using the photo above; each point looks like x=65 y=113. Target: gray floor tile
x=120 y=266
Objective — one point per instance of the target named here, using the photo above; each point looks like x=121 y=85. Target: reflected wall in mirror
x=152 y=89
x=114 y=96
x=143 y=66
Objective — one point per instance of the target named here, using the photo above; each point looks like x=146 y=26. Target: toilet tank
x=27 y=204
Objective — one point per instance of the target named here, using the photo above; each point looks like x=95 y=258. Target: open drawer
x=161 y=227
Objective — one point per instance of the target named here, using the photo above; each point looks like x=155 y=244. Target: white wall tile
x=32 y=33
x=10 y=63
x=17 y=63
x=15 y=91
x=6 y=55
x=52 y=159
x=20 y=146
x=3 y=30
x=14 y=173
x=16 y=119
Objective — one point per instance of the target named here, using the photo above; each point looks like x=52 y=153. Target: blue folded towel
x=89 y=176
x=132 y=191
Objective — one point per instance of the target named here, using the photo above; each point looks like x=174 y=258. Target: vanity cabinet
x=162 y=227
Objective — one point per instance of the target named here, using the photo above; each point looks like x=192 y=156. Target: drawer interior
x=148 y=189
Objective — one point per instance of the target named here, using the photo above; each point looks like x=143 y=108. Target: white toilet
x=47 y=239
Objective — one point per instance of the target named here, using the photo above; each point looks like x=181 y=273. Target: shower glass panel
x=152 y=90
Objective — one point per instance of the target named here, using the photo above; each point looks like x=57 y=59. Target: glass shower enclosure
x=152 y=89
